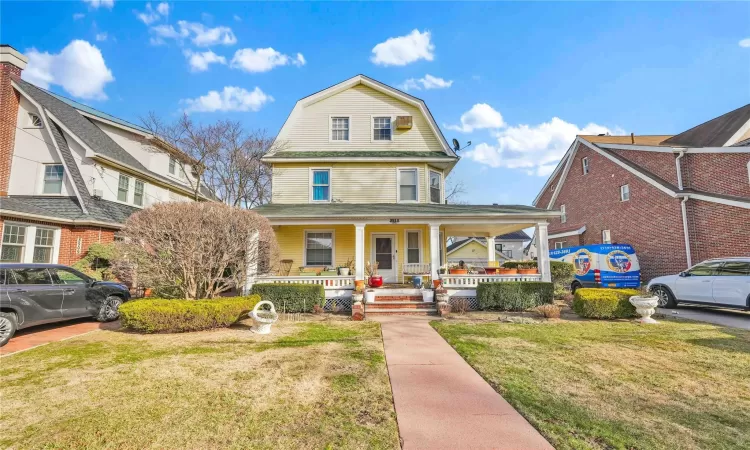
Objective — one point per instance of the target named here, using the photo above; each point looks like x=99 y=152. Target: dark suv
x=33 y=294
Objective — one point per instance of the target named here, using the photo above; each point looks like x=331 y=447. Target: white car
x=719 y=282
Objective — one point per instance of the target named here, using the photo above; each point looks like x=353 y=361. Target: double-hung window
x=381 y=128
x=407 y=185
x=321 y=185
x=123 y=186
x=435 y=186
x=318 y=248
x=563 y=214
x=413 y=251
x=138 y=193
x=14 y=239
x=625 y=192
x=339 y=128
x=43 y=244
x=53 y=179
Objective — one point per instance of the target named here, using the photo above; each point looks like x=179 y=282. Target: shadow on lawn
x=736 y=340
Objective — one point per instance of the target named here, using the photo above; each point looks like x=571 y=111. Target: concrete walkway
x=29 y=338
x=441 y=402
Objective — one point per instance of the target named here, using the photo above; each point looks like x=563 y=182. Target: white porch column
x=542 y=250
x=434 y=250
x=359 y=251
x=490 y=249
x=252 y=261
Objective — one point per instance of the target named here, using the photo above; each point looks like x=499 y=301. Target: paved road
x=441 y=402
x=726 y=317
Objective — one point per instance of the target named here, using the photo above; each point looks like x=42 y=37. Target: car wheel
x=8 y=327
x=109 y=310
x=573 y=287
x=666 y=299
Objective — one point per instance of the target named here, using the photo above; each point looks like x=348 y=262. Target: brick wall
x=9 y=100
x=717 y=231
x=724 y=173
x=661 y=164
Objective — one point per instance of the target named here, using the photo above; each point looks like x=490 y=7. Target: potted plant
x=507 y=270
x=373 y=279
x=527 y=269
x=458 y=269
x=428 y=295
x=645 y=305
x=358 y=294
x=328 y=272
x=347 y=268
x=370 y=296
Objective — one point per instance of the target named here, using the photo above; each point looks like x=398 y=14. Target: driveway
x=44 y=334
x=719 y=316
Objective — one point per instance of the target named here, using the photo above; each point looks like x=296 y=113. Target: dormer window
x=53 y=179
x=435 y=186
x=381 y=128
x=339 y=128
x=35 y=121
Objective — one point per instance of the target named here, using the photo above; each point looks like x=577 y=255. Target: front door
x=384 y=253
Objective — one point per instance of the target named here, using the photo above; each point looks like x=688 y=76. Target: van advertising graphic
x=582 y=261
x=615 y=264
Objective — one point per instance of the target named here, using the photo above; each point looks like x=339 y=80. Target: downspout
x=685 y=231
x=679 y=169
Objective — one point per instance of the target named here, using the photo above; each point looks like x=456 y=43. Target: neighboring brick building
x=70 y=175
x=652 y=191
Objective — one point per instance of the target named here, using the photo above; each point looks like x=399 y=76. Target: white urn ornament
x=645 y=307
x=263 y=318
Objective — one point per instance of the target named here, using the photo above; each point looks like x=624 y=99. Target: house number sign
x=394 y=220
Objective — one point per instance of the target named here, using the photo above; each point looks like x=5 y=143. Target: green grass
x=602 y=385
x=308 y=385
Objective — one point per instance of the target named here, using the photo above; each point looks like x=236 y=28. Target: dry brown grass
x=549 y=311
x=308 y=385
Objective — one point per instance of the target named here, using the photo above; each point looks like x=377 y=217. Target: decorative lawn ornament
x=263 y=318
x=645 y=306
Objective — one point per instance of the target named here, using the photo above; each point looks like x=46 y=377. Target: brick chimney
x=11 y=63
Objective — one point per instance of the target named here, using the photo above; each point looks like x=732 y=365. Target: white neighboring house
x=70 y=175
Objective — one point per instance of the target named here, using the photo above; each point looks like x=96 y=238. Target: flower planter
x=436 y=283
x=528 y=271
x=357 y=298
x=344 y=271
x=359 y=284
x=506 y=271
x=375 y=281
x=458 y=271
x=262 y=319
x=369 y=296
x=645 y=307
x=328 y=273
x=428 y=295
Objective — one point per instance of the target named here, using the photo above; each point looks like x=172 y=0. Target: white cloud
x=199 y=61
x=163 y=8
x=480 y=116
x=745 y=43
x=78 y=16
x=101 y=36
x=100 y=3
x=535 y=149
x=230 y=99
x=237 y=18
x=198 y=33
x=149 y=16
x=402 y=50
x=79 y=68
x=427 y=82
x=263 y=59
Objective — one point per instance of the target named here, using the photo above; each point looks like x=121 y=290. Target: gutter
x=50 y=219
x=685 y=231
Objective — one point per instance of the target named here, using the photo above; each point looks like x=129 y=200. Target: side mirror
x=684 y=274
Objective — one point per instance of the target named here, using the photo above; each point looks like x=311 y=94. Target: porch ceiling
x=484 y=230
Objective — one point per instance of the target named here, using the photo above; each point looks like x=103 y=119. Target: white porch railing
x=471 y=281
x=328 y=282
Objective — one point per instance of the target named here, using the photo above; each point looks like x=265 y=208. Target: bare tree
x=454 y=190
x=199 y=249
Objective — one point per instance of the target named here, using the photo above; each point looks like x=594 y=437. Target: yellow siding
x=350 y=182
x=472 y=250
x=309 y=130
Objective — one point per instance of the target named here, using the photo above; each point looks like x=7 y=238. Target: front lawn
x=308 y=385
x=600 y=384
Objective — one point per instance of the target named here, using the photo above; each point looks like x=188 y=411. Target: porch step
x=402 y=311
x=398 y=298
x=378 y=305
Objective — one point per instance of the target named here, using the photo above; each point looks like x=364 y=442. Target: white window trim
x=559 y=244
x=129 y=196
x=28 y=246
x=40 y=185
x=606 y=237
x=180 y=173
x=564 y=216
x=406 y=246
x=398 y=184
x=429 y=187
x=372 y=128
x=310 y=184
x=30 y=121
x=748 y=171
x=622 y=192
x=585 y=165
x=143 y=194
x=304 y=246
x=330 y=128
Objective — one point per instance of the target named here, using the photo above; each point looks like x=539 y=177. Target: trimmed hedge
x=562 y=273
x=157 y=315
x=602 y=303
x=514 y=295
x=291 y=297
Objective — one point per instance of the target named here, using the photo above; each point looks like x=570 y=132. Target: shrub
x=549 y=311
x=514 y=295
x=595 y=303
x=177 y=316
x=291 y=297
x=562 y=273
x=460 y=305
x=97 y=261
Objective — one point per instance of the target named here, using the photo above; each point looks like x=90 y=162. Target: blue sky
x=526 y=77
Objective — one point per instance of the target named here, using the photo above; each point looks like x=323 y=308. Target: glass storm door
x=384 y=252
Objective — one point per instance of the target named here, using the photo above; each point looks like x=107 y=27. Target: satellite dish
x=456 y=145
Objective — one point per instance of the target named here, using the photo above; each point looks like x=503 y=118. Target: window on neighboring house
x=43 y=244
x=122 y=188
x=407 y=185
x=606 y=237
x=53 y=179
x=138 y=193
x=172 y=166
x=14 y=239
x=413 y=253
x=560 y=244
x=321 y=185
x=435 y=182
x=318 y=248
x=501 y=248
x=625 y=192
x=35 y=121
x=381 y=128
x=564 y=214
x=585 y=165
x=339 y=128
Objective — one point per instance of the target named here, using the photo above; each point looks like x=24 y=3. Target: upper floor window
x=35 y=121
x=435 y=186
x=339 y=128
x=625 y=192
x=563 y=215
x=138 y=193
x=381 y=128
x=321 y=185
x=123 y=187
x=176 y=168
x=585 y=165
x=53 y=179
x=407 y=185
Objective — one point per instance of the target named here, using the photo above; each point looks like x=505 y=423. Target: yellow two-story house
x=359 y=173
